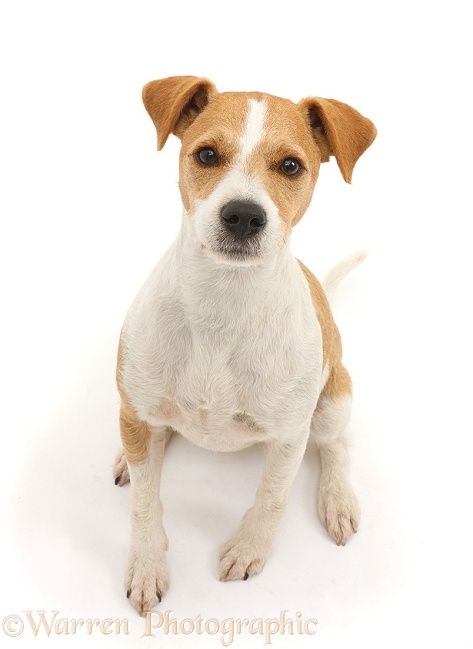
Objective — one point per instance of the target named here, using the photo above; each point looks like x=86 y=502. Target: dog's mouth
x=230 y=249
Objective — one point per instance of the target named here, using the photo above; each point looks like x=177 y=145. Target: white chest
x=227 y=364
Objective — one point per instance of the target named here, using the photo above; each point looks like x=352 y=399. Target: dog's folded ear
x=338 y=130
x=175 y=102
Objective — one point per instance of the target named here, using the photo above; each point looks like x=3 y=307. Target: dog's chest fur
x=227 y=356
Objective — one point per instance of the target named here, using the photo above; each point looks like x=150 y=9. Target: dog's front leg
x=147 y=577
x=246 y=553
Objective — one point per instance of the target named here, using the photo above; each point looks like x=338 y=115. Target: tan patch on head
x=310 y=131
x=218 y=127
x=286 y=134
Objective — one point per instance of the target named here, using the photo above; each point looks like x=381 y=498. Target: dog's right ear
x=174 y=103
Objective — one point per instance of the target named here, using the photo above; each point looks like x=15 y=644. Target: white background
x=88 y=207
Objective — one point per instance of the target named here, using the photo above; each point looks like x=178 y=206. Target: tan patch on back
x=338 y=382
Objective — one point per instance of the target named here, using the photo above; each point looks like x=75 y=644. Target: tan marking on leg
x=134 y=432
x=338 y=383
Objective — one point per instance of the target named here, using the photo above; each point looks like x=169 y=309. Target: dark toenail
x=117 y=480
x=128 y=593
x=246 y=576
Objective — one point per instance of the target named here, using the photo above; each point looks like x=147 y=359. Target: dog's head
x=249 y=161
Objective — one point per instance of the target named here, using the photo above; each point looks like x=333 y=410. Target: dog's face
x=248 y=167
x=249 y=161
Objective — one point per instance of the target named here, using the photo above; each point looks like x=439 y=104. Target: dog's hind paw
x=120 y=470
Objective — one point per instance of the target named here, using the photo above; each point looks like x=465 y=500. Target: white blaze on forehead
x=240 y=184
x=254 y=128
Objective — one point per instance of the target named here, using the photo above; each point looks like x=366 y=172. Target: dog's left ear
x=338 y=130
x=175 y=102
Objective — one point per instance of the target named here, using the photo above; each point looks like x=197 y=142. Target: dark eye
x=290 y=167
x=207 y=156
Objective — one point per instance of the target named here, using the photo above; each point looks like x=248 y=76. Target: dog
x=231 y=341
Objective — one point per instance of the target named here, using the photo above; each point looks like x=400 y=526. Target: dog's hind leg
x=338 y=505
x=121 y=474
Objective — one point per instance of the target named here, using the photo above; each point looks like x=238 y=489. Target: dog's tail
x=340 y=271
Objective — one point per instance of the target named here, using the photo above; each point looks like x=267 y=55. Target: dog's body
x=231 y=340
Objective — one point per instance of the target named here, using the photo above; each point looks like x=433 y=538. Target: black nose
x=243 y=218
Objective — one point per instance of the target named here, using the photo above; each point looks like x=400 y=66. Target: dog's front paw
x=240 y=559
x=120 y=470
x=339 y=512
x=147 y=580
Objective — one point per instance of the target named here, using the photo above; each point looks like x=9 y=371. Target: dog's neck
x=220 y=294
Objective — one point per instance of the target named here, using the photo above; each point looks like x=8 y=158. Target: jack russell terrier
x=231 y=341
